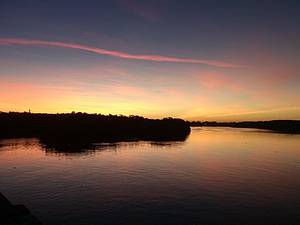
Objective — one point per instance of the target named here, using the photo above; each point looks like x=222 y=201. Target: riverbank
x=280 y=126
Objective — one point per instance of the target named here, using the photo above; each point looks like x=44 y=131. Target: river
x=216 y=176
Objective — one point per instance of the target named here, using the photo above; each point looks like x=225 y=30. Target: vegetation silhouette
x=78 y=131
x=280 y=126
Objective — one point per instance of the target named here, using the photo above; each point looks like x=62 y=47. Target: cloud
x=100 y=51
x=255 y=111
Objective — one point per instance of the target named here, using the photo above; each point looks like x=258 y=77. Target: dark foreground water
x=217 y=176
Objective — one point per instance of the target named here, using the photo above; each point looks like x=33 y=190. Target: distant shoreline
x=86 y=128
x=279 y=126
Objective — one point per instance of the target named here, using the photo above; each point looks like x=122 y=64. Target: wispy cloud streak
x=100 y=51
x=255 y=112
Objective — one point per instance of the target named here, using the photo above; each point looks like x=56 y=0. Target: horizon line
x=186 y=120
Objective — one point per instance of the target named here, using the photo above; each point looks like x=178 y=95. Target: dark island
x=83 y=127
x=280 y=126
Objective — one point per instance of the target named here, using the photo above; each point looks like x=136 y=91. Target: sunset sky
x=196 y=60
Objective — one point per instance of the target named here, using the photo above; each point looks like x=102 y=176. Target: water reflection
x=82 y=145
x=89 y=147
x=78 y=148
x=217 y=176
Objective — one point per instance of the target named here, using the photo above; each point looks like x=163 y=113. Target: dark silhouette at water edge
x=82 y=128
x=280 y=126
x=15 y=214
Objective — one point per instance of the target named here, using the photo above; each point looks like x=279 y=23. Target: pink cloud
x=100 y=51
x=217 y=81
x=261 y=111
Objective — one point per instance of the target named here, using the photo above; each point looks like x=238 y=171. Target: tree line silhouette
x=78 y=132
x=79 y=126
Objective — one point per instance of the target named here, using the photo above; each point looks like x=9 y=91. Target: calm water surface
x=217 y=176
